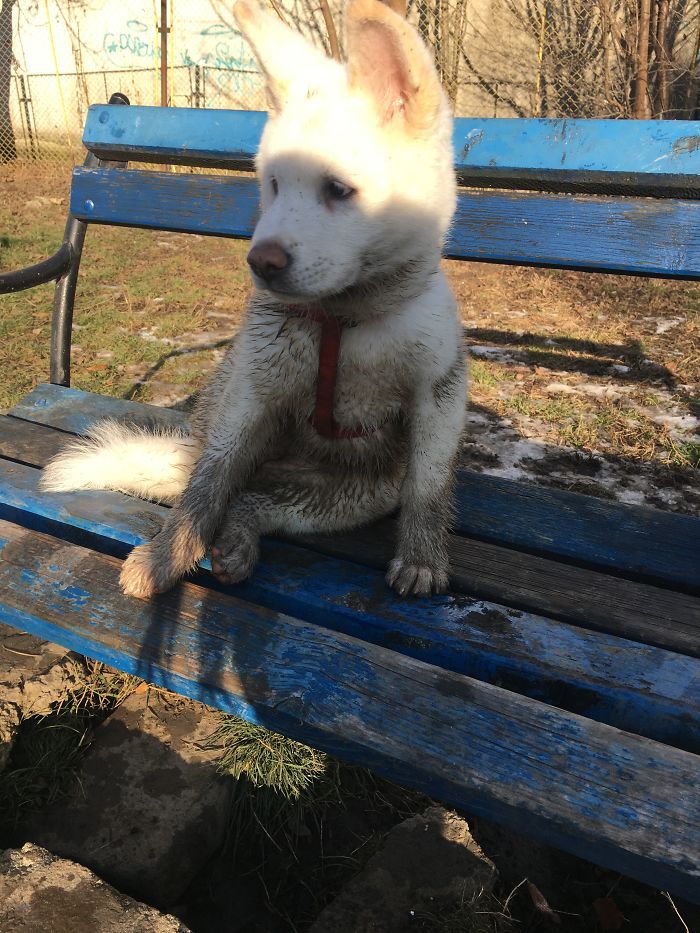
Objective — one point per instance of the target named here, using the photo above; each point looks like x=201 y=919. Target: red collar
x=329 y=349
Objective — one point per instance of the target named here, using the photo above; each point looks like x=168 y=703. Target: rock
x=428 y=862
x=9 y=723
x=34 y=674
x=40 y=892
x=148 y=808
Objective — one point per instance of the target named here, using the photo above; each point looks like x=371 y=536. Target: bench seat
x=556 y=688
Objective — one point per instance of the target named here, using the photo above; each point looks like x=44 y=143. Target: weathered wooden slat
x=632 y=686
x=205 y=204
x=604 y=794
x=625 y=154
x=588 y=598
x=651 y=615
x=602 y=155
x=74 y=411
x=30 y=443
x=607 y=234
x=659 y=546
x=603 y=234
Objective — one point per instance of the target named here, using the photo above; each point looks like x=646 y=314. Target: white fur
x=126 y=458
x=381 y=126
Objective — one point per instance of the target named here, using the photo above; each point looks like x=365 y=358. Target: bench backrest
x=602 y=195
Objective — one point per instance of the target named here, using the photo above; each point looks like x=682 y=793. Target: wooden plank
x=626 y=608
x=631 y=235
x=604 y=234
x=74 y=411
x=174 y=135
x=632 y=610
x=604 y=155
x=626 y=684
x=624 y=801
x=206 y=204
x=660 y=547
x=622 y=153
x=30 y=443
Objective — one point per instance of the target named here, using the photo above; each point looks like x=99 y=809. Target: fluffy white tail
x=126 y=458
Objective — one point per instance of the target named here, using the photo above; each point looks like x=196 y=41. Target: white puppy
x=343 y=397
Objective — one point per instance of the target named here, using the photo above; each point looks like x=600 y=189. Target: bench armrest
x=41 y=272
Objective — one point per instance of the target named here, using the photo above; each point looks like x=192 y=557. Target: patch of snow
x=492 y=353
x=664 y=325
x=677 y=424
x=631 y=496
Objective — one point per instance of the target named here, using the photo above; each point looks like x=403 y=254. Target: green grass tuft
x=48 y=749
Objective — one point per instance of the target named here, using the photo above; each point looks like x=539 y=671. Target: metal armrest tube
x=41 y=272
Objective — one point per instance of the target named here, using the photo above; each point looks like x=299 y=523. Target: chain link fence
x=550 y=58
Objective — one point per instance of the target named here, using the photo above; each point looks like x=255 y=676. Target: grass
x=132 y=282
x=481 y=914
x=301 y=823
x=48 y=749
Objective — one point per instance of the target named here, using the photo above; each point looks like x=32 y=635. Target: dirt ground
x=584 y=382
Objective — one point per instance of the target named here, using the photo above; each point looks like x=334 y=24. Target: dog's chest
x=371 y=385
x=370 y=382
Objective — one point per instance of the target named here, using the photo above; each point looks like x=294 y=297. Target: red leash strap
x=322 y=419
x=329 y=350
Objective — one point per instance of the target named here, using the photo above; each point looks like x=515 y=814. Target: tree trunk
x=641 y=83
x=8 y=146
x=663 y=58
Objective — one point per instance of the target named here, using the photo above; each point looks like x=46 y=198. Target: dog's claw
x=414 y=579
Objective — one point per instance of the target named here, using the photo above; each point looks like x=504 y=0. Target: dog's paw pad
x=415 y=579
x=234 y=560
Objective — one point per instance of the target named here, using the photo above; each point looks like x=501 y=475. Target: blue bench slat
x=74 y=410
x=610 y=679
x=584 y=232
x=619 y=147
x=605 y=234
x=204 y=204
x=660 y=546
x=582 y=596
x=616 y=798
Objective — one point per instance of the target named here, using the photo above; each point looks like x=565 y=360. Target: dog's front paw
x=233 y=557
x=415 y=579
x=146 y=573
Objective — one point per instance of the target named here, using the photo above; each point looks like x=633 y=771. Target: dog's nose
x=268 y=259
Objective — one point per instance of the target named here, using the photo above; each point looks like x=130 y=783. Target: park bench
x=556 y=688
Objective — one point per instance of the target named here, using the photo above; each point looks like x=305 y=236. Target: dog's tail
x=148 y=464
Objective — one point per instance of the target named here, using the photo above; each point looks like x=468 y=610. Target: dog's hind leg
x=296 y=497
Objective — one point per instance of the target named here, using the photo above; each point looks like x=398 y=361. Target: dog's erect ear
x=388 y=61
x=292 y=66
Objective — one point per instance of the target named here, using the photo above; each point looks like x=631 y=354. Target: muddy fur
x=252 y=463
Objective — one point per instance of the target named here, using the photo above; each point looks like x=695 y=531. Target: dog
x=343 y=396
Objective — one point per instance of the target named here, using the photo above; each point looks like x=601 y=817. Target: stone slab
x=148 y=808
x=41 y=893
x=427 y=862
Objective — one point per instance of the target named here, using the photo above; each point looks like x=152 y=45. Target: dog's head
x=355 y=163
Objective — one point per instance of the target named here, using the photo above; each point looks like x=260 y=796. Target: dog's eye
x=337 y=191
x=273 y=184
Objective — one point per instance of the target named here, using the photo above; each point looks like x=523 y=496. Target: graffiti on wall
x=217 y=48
